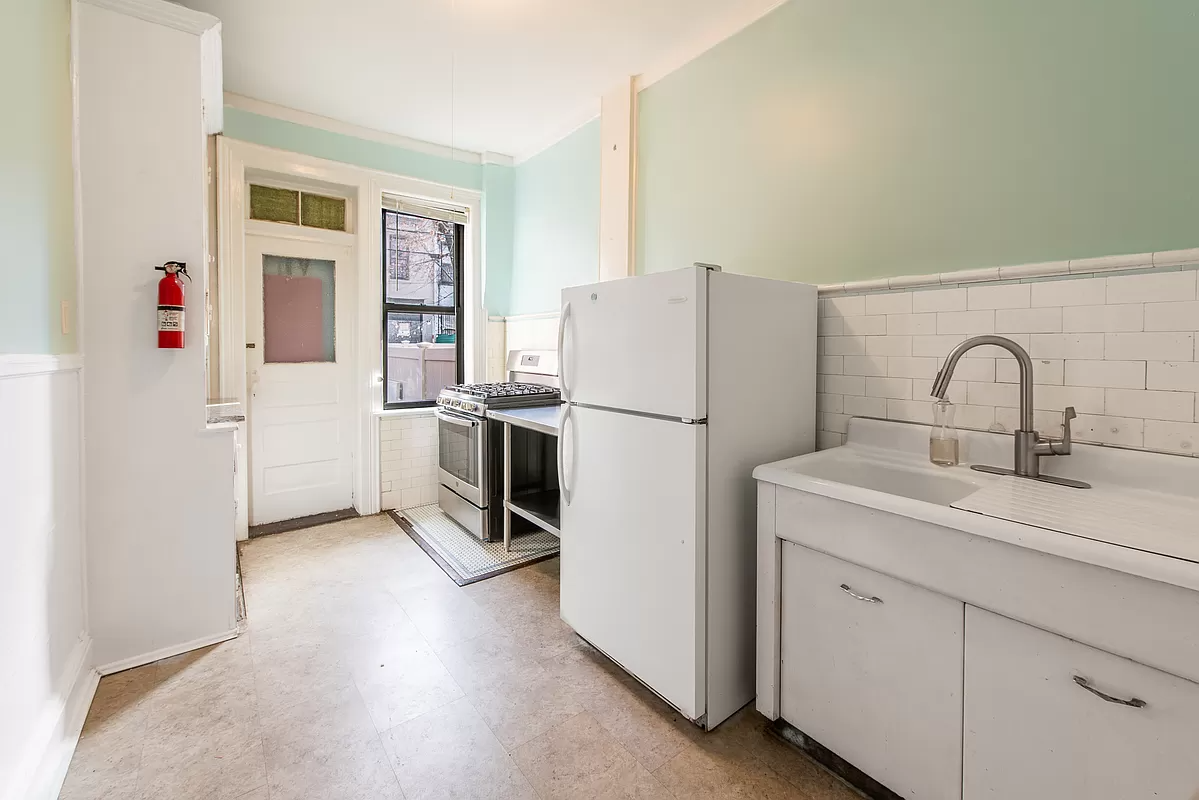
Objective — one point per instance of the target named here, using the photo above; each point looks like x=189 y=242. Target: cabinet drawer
x=872 y=669
x=1032 y=731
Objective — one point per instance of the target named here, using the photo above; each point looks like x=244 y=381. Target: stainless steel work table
x=539 y=508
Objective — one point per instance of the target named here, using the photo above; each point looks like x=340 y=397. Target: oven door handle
x=455 y=419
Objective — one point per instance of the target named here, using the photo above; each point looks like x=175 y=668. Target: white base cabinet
x=1032 y=731
x=872 y=669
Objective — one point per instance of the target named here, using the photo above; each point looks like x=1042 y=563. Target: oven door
x=461 y=449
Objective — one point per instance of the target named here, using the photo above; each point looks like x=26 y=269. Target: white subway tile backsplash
x=1109 y=263
x=894 y=303
x=890 y=388
x=866 y=406
x=1154 y=287
x=889 y=345
x=1078 y=292
x=865 y=326
x=844 y=345
x=1181 y=316
x=1044 y=370
x=1085 y=399
x=1149 y=346
x=1179 y=376
x=911 y=324
x=845 y=384
x=993 y=394
x=1066 y=345
x=939 y=300
x=970 y=323
x=847 y=306
x=865 y=365
x=1121 y=349
x=1152 y=404
x=1122 y=431
x=1107 y=374
x=1103 y=319
x=1028 y=320
x=912 y=367
x=1172 y=437
x=831 y=365
x=828 y=439
x=1003 y=295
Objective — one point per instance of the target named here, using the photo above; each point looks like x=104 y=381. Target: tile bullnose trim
x=1047 y=269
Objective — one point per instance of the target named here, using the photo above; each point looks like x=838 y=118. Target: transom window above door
x=422 y=303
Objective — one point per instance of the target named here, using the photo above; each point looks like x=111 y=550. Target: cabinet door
x=872 y=669
x=1031 y=730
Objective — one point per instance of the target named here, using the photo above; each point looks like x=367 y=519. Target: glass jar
x=943 y=439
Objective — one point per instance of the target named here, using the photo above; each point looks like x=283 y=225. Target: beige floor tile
x=713 y=767
x=321 y=750
x=451 y=753
x=257 y=794
x=486 y=660
x=404 y=682
x=444 y=614
x=105 y=766
x=297 y=672
x=220 y=762
x=579 y=759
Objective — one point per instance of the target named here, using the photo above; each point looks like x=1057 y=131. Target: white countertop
x=543 y=419
x=1161 y=491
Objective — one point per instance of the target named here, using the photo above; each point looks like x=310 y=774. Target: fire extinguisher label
x=170 y=318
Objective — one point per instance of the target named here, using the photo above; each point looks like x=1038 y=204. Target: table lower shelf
x=539 y=508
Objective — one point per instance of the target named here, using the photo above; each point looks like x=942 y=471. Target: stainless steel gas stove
x=469 y=444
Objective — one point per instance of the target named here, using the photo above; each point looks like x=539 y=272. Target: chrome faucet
x=1030 y=447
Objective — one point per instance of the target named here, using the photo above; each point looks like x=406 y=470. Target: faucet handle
x=1062 y=448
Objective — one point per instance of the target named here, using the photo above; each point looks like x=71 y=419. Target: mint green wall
x=556 y=232
x=37 y=248
x=837 y=141
x=494 y=181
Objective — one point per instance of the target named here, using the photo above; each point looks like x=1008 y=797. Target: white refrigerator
x=677 y=385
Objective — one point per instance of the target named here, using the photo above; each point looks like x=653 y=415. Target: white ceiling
x=525 y=72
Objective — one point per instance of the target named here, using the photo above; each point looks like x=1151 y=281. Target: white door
x=299 y=297
x=638 y=344
x=1049 y=717
x=634 y=547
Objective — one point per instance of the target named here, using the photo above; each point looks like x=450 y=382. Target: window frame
x=458 y=309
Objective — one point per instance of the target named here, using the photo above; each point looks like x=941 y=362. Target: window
x=294 y=207
x=422 y=306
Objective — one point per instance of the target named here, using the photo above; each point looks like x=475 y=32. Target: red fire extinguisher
x=170 y=305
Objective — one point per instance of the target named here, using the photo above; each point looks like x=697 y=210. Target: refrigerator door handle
x=562 y=356
x=564 y=489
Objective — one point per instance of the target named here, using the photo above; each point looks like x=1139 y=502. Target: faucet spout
x=941 y=384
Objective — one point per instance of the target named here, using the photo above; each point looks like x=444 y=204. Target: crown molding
x=275 y=111
x=163 y=13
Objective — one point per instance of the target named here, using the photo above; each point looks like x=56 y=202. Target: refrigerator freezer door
x=638 y=344
x=634 y=547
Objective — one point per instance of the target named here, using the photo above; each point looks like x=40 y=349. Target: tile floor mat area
x=367 y=673
x=465 y=557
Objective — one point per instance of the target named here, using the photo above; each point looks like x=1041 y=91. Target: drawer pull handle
x=1134 y=702
x=845 y=588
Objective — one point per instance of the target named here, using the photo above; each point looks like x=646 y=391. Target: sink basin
x=870 y=468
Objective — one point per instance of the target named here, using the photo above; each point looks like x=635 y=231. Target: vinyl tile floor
x=367 y=674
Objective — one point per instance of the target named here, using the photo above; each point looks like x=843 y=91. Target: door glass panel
x=458 y=451
x=422 y=355
x=419 y=259
x=297 y=310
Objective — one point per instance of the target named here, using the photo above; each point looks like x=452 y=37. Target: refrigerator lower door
x=634 y=547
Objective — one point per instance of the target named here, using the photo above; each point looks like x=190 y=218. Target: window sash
x=457 y=310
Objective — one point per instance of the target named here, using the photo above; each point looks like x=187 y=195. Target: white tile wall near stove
x=1121 y=349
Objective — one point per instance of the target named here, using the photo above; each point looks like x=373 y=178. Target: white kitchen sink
x=875 y=469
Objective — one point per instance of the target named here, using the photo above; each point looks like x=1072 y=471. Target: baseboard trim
x=61 y=733
x=166 y=652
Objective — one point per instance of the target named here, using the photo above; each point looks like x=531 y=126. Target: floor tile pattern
x=367 y=674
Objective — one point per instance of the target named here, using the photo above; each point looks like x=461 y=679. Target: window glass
x=297 y=309
x=419 y=257
x=274 y=205
x=422 y=355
